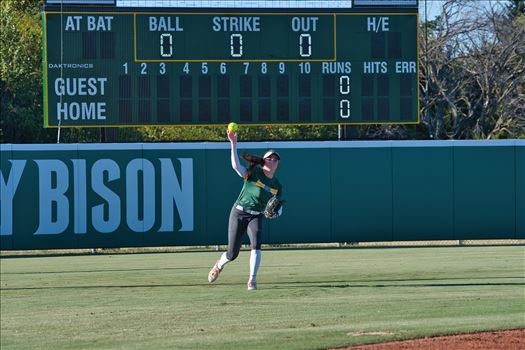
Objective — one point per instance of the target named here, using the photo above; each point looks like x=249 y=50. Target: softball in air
x=233 y=127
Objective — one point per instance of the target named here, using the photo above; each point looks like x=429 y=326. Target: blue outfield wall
x=128 y=195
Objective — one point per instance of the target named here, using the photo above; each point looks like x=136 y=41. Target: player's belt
x=246 y=210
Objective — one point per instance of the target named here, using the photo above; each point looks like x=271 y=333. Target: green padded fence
x=128 y=195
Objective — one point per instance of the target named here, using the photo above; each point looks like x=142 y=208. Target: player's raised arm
x=236 y=164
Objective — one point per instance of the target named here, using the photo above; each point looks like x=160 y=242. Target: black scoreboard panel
x=129 y=66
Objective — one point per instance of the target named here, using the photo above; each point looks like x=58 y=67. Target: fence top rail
x=261 y=145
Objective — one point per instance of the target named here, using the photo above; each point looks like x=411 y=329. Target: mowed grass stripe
x=307 y=299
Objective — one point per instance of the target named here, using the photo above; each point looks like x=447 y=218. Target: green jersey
x=258 y=190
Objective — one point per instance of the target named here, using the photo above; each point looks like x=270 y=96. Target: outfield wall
x=128 y=195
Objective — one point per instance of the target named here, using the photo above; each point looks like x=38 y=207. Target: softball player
x=260 y=184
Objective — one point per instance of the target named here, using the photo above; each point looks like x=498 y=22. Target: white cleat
x=214 y=273
x=252 y=285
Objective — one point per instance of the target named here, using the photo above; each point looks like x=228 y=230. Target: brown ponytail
x=253 y=161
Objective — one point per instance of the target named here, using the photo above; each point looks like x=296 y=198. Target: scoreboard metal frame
x=376 y=85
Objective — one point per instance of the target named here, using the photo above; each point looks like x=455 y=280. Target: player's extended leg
x=236 y=227
x=254 y=232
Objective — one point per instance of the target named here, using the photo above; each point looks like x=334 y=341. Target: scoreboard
x=122 y=63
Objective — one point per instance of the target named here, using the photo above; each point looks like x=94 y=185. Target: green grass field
x=307 y=299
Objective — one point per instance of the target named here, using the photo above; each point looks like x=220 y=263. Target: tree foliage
x=21 y=73
x=473 y=72
x=472 y=82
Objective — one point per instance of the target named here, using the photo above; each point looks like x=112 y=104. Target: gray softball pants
x=239 y=223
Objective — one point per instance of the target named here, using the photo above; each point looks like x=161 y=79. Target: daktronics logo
x=64 y=187
x=70 y=66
